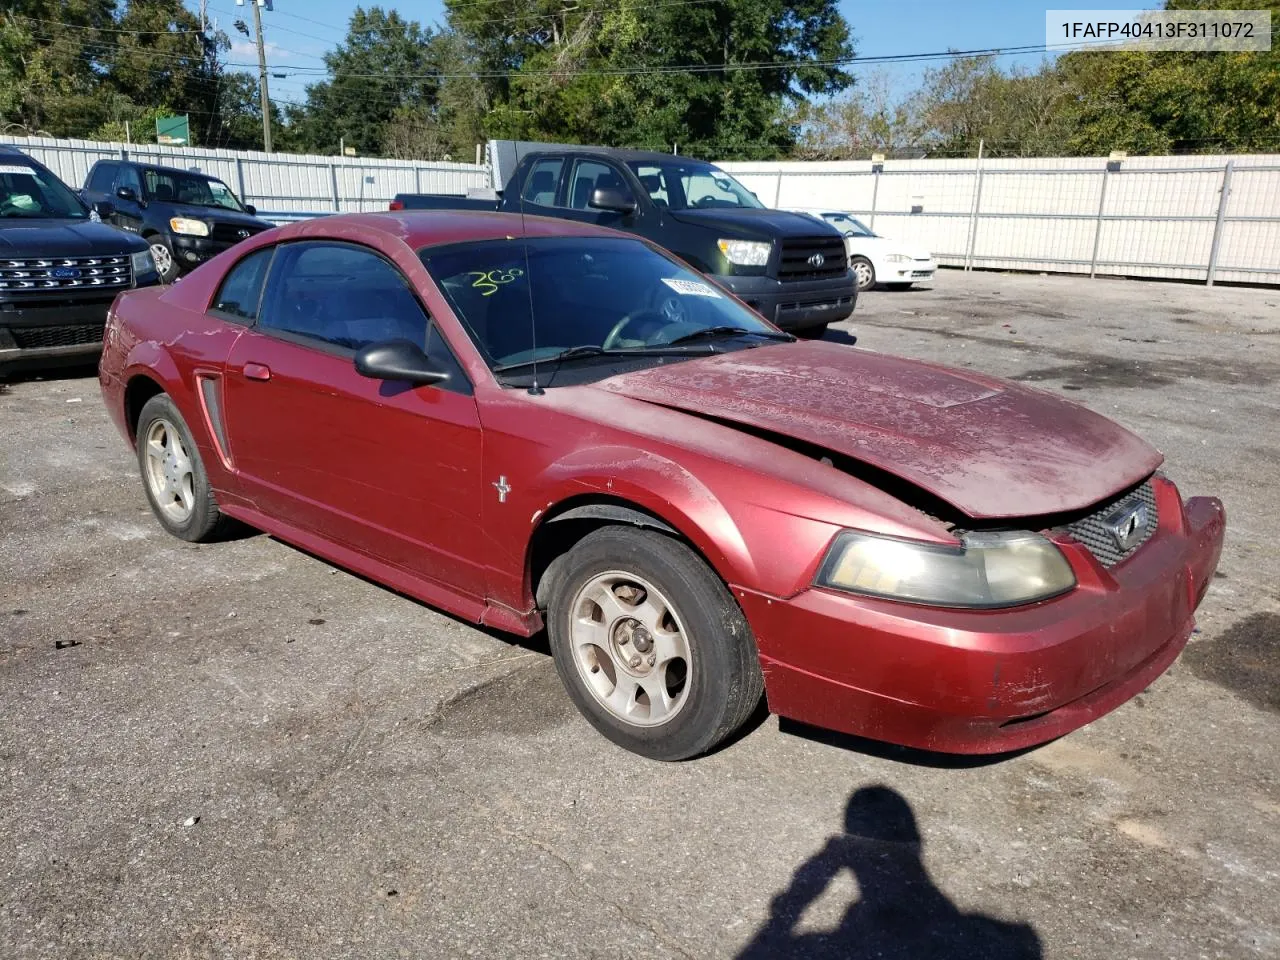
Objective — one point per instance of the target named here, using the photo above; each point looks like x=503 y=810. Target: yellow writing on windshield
x=490 y=280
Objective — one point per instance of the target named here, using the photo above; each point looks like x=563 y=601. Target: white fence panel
x=284 y=184
x=1140 y=216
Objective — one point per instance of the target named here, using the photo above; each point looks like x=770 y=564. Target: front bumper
x=913 y=271
x=189 y=252
x=52 y=333
x=982 y=682
x=797 y=304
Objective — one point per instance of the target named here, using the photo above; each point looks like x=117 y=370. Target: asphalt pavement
x=237 y=750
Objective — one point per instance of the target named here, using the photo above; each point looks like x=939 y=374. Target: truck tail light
x=396 y=205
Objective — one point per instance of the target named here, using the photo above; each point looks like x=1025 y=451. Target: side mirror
x=127 y=193
x=250 y=209
x=850 y=233
x=613 y=199
x=398 y=360
x=103 y=209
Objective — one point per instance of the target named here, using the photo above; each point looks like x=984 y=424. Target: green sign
x=173 y=131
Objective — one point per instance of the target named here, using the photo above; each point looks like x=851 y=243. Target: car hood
x=751 y=224
x=989 y=448
x=63 y=238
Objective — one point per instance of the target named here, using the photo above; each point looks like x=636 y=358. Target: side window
x=128 y=177
x=241 y=291
x=102 y=177
x=540 y=188
x=589 y=176
x=654 y=183
x=340 y=294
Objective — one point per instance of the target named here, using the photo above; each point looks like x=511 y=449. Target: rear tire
x=650 y=644
x=173 y=474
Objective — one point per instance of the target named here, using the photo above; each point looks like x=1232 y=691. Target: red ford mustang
x=546 y=423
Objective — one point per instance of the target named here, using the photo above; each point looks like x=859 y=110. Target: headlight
x=194 y=228
x=746 y=253
x=985 y=570
x=898 y=258
x=142 y=262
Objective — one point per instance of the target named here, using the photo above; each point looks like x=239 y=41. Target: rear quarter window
x=241 y=292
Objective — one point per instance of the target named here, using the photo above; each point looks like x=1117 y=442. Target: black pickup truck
x=790 y=268
x=60 y=269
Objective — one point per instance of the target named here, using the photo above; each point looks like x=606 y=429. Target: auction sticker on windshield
x=691 y=288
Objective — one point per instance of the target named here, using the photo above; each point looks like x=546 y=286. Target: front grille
x=1094 y=533
x=232 y=232
x=32 y=338
x=796 y=253
x=42 y=274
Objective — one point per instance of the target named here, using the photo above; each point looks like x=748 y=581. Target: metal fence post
x=875 y=192
x=1217 y=227
x=973 y=213
x=240 y=177
x=333 y=177
x=1097 y=230
x=417 y=179
x=777 y=191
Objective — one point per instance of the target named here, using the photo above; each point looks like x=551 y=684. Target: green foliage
x=613 y=72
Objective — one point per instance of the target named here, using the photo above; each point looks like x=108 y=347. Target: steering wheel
x=616 y=333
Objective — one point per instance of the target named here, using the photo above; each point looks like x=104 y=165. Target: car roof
x=163 y=169
x=13 y=153
x=429 y=228
x=652 y=156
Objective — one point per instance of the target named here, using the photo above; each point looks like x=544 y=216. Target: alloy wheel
x=170 y=472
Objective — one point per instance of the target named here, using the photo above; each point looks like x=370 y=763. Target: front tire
x=650 y=644
x=173 y=474
x=166 y=261
x=863 y=272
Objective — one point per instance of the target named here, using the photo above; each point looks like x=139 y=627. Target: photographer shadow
x=899 y=913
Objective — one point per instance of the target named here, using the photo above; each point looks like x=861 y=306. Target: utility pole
x=262 y=77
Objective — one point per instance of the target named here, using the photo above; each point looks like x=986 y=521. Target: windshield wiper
x=590 y=350
x=715 y=333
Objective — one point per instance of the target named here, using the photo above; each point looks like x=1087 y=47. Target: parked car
x=782 y=266
x=876 y=259
x=59 y=268
x=185 y=216
x=549 y=423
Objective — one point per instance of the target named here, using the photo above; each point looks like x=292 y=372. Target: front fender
x=660 y=486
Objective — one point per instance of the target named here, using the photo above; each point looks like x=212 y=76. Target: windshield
x=848 y=225
x=169 y=186
x=596 y=292
x=691 y=185
x=32 y=192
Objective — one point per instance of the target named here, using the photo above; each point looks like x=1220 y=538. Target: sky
x=298 y=32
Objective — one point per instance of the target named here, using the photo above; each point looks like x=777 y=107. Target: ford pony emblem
x=1127 y=524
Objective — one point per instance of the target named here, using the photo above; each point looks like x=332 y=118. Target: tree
x=50 y=62
x=623 y=72
x=1174 y=101
x=385 y=69
x=869 y=119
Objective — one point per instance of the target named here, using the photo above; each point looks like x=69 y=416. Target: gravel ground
x=236 y=750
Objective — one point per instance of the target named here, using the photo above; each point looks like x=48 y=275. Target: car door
x=586 y=176
x=128 y=212
x=385 y=469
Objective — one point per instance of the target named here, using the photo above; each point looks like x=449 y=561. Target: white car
x=876 y=259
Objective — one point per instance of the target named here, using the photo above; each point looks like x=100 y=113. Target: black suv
x=60 y=268
x=186 y=217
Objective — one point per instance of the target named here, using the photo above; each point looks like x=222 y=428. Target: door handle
x=257 y=371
